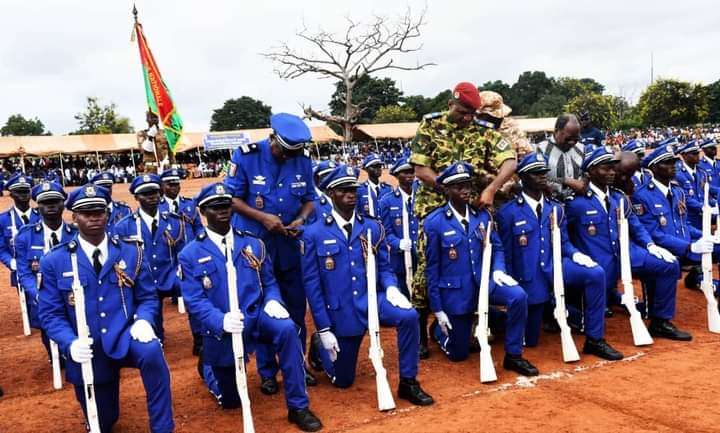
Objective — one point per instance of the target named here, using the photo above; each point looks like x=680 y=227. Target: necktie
x=53 y=239
x=348 y=229
x=96 y=261
x=377 y=191
x=669 y=197
x=176 y=207
x=607 y=203
x=538 y=211
x=465 y=224
x=153 y=227
x=25 y=219
x=225 y=247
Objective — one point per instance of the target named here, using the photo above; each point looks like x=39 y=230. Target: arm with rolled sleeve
x=195 y=296
x=312 y=284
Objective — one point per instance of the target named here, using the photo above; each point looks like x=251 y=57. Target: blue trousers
x=660 y=279
x=293 y=294
x=456 y=345
x=150 y=360
x=579 y=280
x=280 y=335
x=342 y=371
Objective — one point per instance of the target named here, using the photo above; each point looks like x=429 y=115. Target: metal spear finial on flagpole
x=134 y=12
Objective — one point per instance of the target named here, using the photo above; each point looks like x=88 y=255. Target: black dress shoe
x=314 y=355
x=309 y=378
x=197 y=344
x=409 y=389
x=520 y=365
x=268 y=385
x=200 y=366
x=600 y=348
x=665 y=329
x=423 y=352
x=691 y=279
x=305 y=420
x=1 y=392
x=609 y=312
x=551 y=326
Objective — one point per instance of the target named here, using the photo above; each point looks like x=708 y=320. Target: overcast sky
x=53 y=54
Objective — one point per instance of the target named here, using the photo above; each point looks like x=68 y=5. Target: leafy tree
x=369 y=93
x=101 y=120
x=19 y=125
x=394 y=114
x=549 y=105
x=601 y=108
x=713 y=91
x=571 y=87
x=673 y=102
x=422 y=105
x=241 y=113
x=529 y=88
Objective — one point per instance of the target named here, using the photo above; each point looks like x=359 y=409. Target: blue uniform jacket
x=120 y=210
x=162 y=249
x=333 y=271
x=711 y=168
x=641 y=177
x=30 y=248
x=694 y=189
x=8 y=220
x=189 y=214
x=363 y=205
x=110 y=307
x=204 y=286
x=527 y=243
x=454 y=259
x=391 y=216
x=595 y=232
x=323 y=207
x=666 y=223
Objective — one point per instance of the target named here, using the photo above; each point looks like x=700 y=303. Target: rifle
x=384 y=395
x=54 y=351
x=570 y=353
x=407 y=255
x=78 y=291
x=238 y=347
x=21 y=291
x=487 y=369
x=641 y=336
x=707 y=281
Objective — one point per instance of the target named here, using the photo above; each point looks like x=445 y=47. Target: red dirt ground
x=666 y=387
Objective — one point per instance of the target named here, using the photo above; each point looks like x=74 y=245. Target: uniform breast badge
x=452 y=253
x=259 y=202
x=663 y=220
x=398 y=221
x=592 y=230
x=329 y=263
x=522 y=240
x=206 y=282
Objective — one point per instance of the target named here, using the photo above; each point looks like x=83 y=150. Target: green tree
x=369 y=93
x=98 y=119
x=549 y=105
x=601 y=108
x=241 y=113
x=713 y=92
x=422 y=105
x=672 y=102
x=19 y=125
x=570 y=87
x=529 y=88
x=394 y=114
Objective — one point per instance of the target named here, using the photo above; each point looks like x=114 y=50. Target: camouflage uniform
x=437 y=144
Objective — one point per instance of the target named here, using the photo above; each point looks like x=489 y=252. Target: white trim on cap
x=533 y=165
x=662 y=157
x=406 y=166
x=372 y=162
x=599 y=159
x=285 y=144
x=322 y=173
x=693 y=148
x=87 y=201
x=101 y=182
x=49 y=195
x=454 y=177
x=19 y=185
x=213 y=197
x=170 y=178
x=146 y=186
x=342 y=180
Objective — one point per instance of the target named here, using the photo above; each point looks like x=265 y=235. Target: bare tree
x=361 y=51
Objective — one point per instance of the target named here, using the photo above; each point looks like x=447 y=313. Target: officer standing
x=692 y=180
x=272 y=184
x=335 y=279
x=262 y=317
x=593 y=228
x=372 y=190
x=391 y=215
x=120 y=304
x=591 y=137
x=118 y=209
x=162 y=235
x=525 y=230
x=35 y=240
x=708 y=162
x=13 y=219
x=173 y=202
x=455 y=235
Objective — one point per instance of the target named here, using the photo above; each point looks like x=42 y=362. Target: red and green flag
x=156 y=91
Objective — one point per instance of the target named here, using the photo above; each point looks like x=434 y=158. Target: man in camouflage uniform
x=442 y=139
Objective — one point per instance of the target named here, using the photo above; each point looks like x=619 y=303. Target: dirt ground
x=666 y=387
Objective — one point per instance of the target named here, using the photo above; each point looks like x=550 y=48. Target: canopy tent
x=80 y=144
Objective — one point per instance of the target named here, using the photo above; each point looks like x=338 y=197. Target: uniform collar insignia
x=328 y=220
x=448 y=212
x=359 y=217
x=38 y=227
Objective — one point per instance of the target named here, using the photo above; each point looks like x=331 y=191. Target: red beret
x=467 y=94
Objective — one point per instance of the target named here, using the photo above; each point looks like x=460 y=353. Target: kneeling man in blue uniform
x=262 y=317
x=455 y=235
x=334 y=276
x=120 y=305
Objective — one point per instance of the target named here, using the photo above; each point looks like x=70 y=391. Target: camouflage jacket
x=438 y=143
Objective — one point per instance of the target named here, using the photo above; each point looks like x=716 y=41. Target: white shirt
x=709 y=161
x=27 y=213
x=148 y=220
x=460 y=218
x=341 y=222
x=217 y=239
x=663 y=189
x=171 y=201
x=687 y=167
x=47 y=233
x=533 y=203
x=600 y=195
x=405 y=196
x=89 y=249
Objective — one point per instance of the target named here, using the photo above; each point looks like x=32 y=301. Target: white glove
x=715 y=238
x=233 y=322
x=13 y=265
x=503 y=279
x=583 y=260
x=405 y=244
x=81 y=352
x=702 y=245
x=661 y=253
x=397 y=299
x=330 y=343
x=142 y=331
x=275 y=310
x=443 y=322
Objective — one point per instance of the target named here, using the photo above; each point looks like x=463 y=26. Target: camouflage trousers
x=420 y=296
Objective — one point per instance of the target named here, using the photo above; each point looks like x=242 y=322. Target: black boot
x=423 y=352
x=268 y=385
x=314 y=353
x=305 y=420
x=409 y=389
x=520 y=365
x=197 y=344
x=662 y=328
x=600 y=348
x=692 y=278
x=309 y=378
